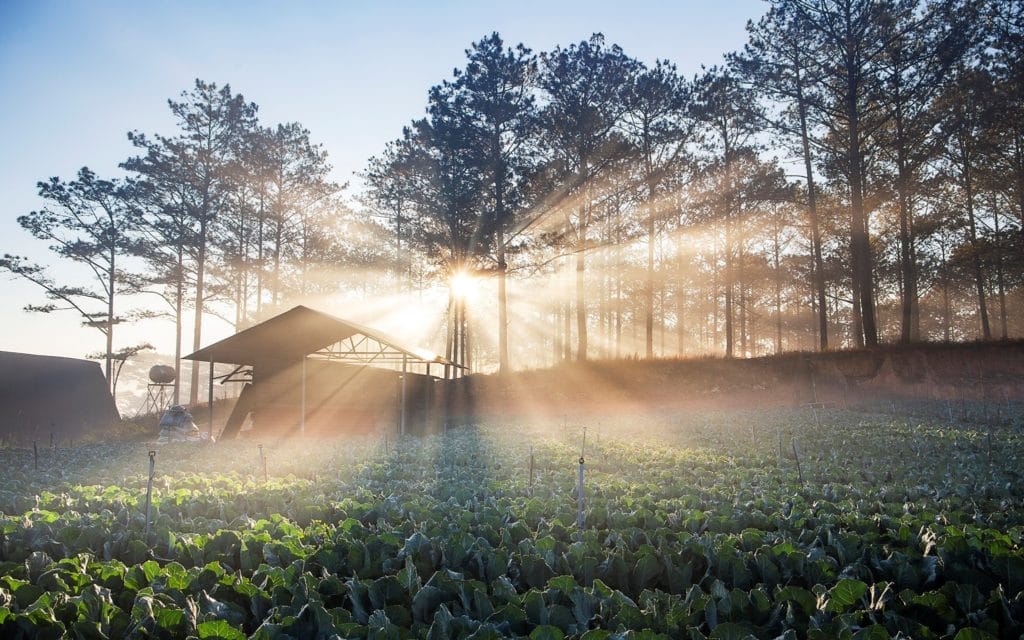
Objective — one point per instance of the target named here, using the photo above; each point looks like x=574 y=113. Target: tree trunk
x=259 y=258
x=729 y=277
x=467 y=359
x=197 y=328
x=449 y=347
x=108 y=356
x=649 y=284
x=947 y=312
x=909 y=331
x=618 y=280
x=503 y=363
x=179 y=296
x=499 y=211
x=581 y=304
x=858 y=324
x=680 y=302
x=979 y=278
x=581 y=308
x=566 y=330
x=1000 y=280
x=859 y=241
x=778 y=292
x=812 y=212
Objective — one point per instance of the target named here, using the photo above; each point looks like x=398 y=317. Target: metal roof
x=302 y=331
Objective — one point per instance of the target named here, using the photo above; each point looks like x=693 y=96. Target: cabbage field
x=747 y=524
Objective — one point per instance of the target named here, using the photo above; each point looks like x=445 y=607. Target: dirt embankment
x=975 y=371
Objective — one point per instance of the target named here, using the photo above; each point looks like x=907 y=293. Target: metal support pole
x=302 y=418
x=211 y=398
x=531 y=469
x=579 y=489
x=799 y=470
x=579 y=502
x=401 y=420
x=149 y=490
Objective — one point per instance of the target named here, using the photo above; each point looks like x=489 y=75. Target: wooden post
x=302 y=401
x=531 y=469
x=799 y=471
x=211 y=398
x=263 y=463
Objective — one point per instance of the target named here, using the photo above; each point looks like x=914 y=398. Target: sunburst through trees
x=836 y=182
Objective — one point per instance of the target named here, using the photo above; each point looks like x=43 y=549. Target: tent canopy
x=65 y=397
x=301 y=331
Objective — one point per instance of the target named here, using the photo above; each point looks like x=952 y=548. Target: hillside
x=977 y=372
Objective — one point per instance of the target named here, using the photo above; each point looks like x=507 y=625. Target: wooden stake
x=778 y=432
x=799 y=471
x=35 y=455
x=531 y=469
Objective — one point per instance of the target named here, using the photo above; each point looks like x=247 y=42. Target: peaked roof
x=298 y=332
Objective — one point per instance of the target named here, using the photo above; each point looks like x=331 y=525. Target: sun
x=463 y=285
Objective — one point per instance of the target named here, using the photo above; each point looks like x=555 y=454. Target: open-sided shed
x=310 y=372
x=43 y=395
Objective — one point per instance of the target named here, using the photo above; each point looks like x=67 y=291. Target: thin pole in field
x=210 y=400
x=149 y=490
x=799 y=471
x=778 y=432
x=35 y=455
x=263 y=462
x=401 y=416
x=579 y=488
x=531 y=469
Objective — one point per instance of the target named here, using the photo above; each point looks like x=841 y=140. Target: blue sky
x=75 y=76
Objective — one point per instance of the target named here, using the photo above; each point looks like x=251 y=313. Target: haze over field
x=559 y=321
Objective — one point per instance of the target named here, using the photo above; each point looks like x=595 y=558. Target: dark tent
x=46 y=394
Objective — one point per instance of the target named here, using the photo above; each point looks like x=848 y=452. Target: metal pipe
x=211 y=398
x=579 y=502
x=149 y=490
x=405 y=368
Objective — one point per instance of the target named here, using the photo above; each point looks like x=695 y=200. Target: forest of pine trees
x=854 y=175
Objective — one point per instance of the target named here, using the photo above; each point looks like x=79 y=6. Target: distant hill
x=991 y=371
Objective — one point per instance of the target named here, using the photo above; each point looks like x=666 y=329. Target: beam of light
x=463 y=285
